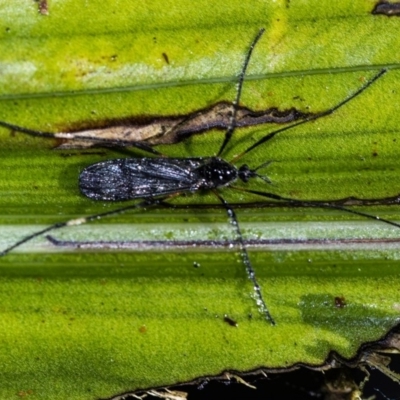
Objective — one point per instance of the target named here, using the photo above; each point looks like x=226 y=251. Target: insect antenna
x=246 y=260
x=265 y=164
x=232 y=122
x=310 y=118
x=263 y=177
x=84 y=220
x=75 y=136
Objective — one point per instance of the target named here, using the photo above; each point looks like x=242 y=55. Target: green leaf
x=91 y=324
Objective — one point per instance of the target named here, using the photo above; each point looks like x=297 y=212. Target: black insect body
x=157 y=179
x=133 y=178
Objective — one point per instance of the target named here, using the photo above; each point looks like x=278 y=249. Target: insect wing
x=131 y=178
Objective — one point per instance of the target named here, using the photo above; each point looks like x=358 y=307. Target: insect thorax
x=215 y=172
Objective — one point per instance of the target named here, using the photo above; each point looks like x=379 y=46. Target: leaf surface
x=87 y=324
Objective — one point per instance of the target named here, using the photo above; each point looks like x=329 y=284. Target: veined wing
x=131 y=178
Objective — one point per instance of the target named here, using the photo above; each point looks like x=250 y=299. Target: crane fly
x=157 y=179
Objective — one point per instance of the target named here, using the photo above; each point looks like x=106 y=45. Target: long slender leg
x=232 y=122
x=317 y=204
x=84 y=220
x=71 y=136
x=344 y=202
x=246 y=260
x=139 y=145
x=314 y=117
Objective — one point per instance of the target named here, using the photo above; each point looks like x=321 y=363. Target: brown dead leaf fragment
x=170 y=130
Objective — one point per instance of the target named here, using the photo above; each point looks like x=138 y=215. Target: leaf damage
x=170 y=129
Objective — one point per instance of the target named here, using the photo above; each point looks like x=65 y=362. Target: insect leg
x=75 y=136
x=246 y=260
x=232 y=123
x=83 y=220
x=139 y=145
x=314 y=117
x=317 y=204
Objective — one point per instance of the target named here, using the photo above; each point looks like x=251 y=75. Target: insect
x=157 y=179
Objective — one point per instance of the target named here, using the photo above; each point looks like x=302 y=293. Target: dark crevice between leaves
x=367 y=375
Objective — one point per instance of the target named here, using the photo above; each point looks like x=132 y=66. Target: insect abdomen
x=131 y=178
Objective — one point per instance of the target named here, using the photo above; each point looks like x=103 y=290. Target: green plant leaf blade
x=92 y=324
